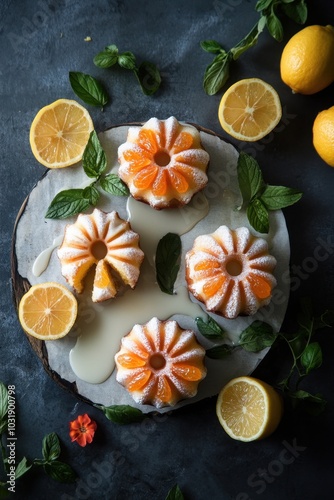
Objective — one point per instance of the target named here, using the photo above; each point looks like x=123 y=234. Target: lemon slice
x=249 y=110
x=59 y=133
x=48 y=311
x=249 y=409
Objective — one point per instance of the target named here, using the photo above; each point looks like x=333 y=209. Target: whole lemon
x=323 y=135
x=307 y=62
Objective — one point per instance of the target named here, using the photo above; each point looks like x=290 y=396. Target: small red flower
x=82 y=430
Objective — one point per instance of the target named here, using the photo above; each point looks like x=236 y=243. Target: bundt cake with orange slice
x=163 y=163
x=160 y=363
x=231 y=272
x=106 y=241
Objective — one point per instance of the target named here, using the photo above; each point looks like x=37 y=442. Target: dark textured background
x=40 y=43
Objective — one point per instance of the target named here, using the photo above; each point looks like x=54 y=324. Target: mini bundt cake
x=163 y=163
x=160 y=363
x=107 y=241
x=230 y=271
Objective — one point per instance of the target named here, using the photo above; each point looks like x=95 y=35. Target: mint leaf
x=51 y=447
x=303 y=400
x=127 y=60
x=220 y=351
x=112 y=184
x=59 y=471
x=3 y=402
x=311 y=358
x=257 y=336
x=148 y=77
x=107 y=57
x=212 y=46
x=297 y=11
x=250 y=178
x=66 y=203
x=91 y=194
x=274 y=26
x=94 y=160
x=166 y=261
x=210 y=328
x=22 y=467
x=249 y=41
x=216 y=74
x=88 y=89
x=262 y=4
x=277 y=197
x=258 y=216
x=175 y=493
x=122 y=414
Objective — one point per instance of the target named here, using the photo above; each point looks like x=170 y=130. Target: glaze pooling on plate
x=86 y=345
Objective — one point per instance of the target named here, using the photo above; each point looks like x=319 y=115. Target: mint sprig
x=258 y=197
x=167 y=262
x=74 y=201
x=90 y=90
x=147 y=73
x=122 y=414
x=218 y=71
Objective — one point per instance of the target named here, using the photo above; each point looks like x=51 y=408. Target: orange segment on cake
x=163 y=163
x=106 y=241
x=231 y=272
x=160 y=363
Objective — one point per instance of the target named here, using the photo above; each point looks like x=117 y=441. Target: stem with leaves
x=218 y=72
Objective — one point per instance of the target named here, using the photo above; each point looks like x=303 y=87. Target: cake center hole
x=234 y=267
x=161 y=158
x=99 y=250
x=157 y=361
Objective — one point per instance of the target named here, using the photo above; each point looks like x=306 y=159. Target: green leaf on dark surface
x=250 y=178
x=249 y=41
x=258 y=216
x=210 y=328
x=127 y=60
x=277 y=197
x=212 y=46
x=148 y=77
x=220 y=351
x=257 y=337
x=275 y=27
x=94 y=160
x=88 y=89
x=66 y=203
x=51 y=447
x=311 y=359
x=297 y=11
x=112 y=184
x=262 y=4
x=107 y=57
x=314 y=404
x=175 y=493
x=59 y=471
x=216 y=74
x=122 y=414
x=167 y=262
x=22 y=467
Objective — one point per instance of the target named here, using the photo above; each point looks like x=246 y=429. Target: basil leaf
x=311 y=359
x=91 y=194
x=219 y=351
x=275 y=27
x=107 y=57
x=166 y=261
x=262 y=4
x=249 y=41
x=122 y=414
x=258 y=216
x=127 y=60
x=61 y=472
x=216 y=74
x=298 y=12
x=276 y=197
x=313 y=404
x=249 y=177
x=112 y=184
x=3 y=402
x=66 y=203
x=148 y=77
x=94 y=160
x=175 y=493
x=257 y=336
x=212 y=46
x=210 y=328
x=88 y=89
x=51 y=447
x=22 y=467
